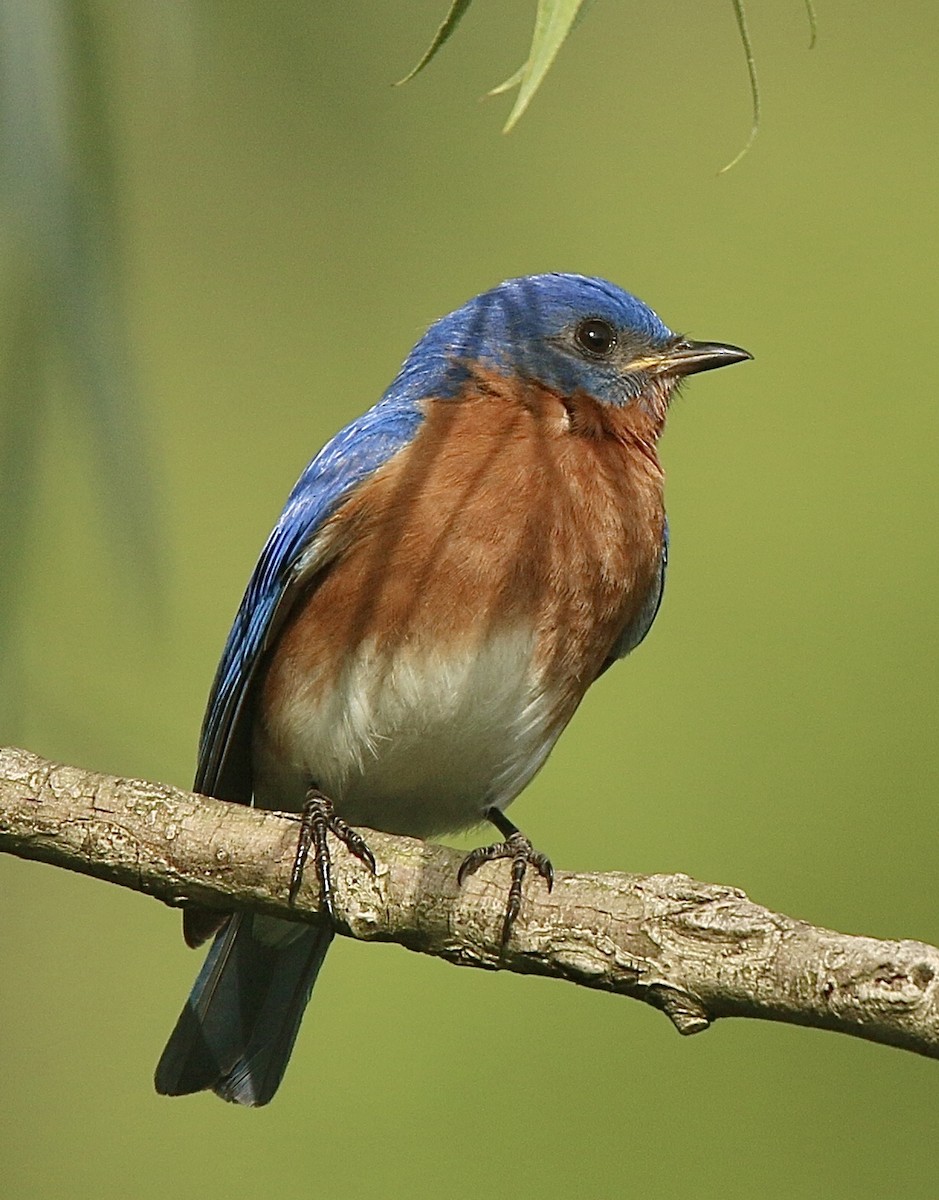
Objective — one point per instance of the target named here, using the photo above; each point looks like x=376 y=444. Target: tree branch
x=696 y=951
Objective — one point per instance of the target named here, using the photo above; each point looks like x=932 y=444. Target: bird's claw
x=519 y=849
x=318 y=818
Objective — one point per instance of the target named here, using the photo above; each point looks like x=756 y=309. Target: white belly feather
x=417 y=744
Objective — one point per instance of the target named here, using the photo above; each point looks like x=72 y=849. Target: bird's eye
x=596 y=337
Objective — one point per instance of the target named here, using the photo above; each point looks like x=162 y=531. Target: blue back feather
x=340 y=467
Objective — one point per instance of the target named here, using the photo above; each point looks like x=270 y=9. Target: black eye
x=596 y=337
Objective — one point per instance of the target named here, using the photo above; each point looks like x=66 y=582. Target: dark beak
x=688 y=358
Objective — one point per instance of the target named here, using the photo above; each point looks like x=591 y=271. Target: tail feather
x=240 y=1022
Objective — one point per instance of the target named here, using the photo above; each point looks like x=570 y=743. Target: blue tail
x=240 y=1022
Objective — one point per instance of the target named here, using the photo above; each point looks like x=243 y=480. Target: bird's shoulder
x=300 y=544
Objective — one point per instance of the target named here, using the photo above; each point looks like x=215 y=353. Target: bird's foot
x=317 y=818
x=519 y=849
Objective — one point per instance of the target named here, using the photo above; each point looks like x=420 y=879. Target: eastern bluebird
x=449 y=575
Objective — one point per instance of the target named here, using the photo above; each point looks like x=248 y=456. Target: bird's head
x=569 y=333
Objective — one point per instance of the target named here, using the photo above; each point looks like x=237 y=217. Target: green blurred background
x=289 y=224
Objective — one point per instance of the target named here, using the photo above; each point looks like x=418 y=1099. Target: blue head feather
x=525 y=327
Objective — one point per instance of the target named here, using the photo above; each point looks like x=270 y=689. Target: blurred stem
x=21 y=420
x=59 y=209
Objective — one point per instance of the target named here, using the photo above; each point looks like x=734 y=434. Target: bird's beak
x=685 y=357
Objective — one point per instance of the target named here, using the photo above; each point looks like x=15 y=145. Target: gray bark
x=697 y=951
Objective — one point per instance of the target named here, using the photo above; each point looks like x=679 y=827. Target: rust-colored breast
x=512 y=508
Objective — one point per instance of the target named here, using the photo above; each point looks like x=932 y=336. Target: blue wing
x=289 y=559
x=637 y=629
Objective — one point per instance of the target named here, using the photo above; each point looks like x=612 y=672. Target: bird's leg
x=519 y=849
x=317 y=818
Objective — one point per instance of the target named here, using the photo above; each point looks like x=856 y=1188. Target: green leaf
x=754 y=86
x=451 y=20
x=553 y=22
x=813 y=26
x=513 y=81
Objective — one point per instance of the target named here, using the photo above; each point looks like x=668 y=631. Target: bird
x=450 y=574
